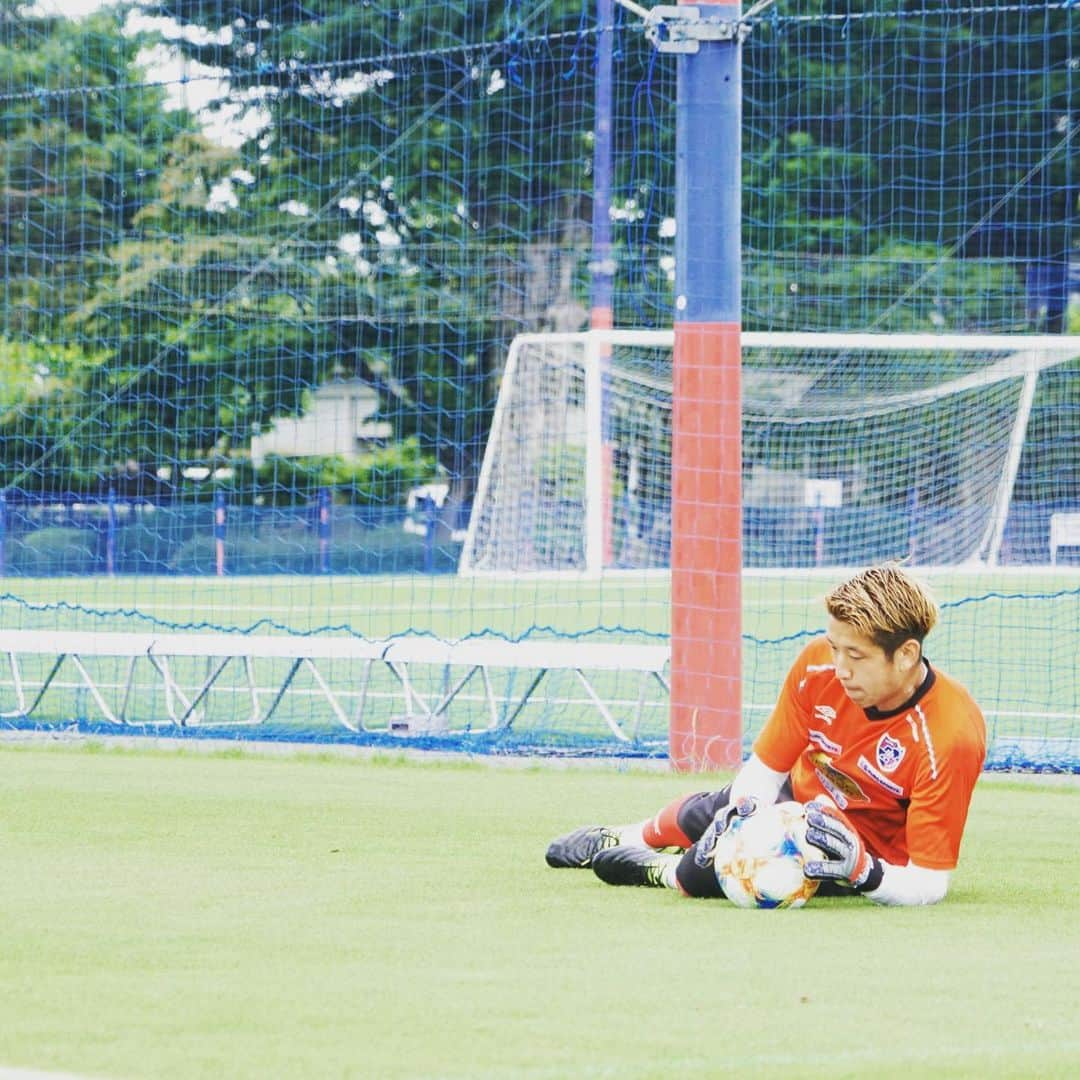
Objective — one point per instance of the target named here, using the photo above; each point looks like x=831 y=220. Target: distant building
x=339 y=422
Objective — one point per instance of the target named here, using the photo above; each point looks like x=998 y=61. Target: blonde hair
x=886 y=605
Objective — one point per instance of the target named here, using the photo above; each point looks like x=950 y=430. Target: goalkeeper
x=883 y=748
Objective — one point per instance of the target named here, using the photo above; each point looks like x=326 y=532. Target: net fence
x=263 y=268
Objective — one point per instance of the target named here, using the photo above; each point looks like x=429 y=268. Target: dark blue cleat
x=577 y=850
x=631 y=865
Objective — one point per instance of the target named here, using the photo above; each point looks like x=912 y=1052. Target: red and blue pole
x=706 y=557
x=602 y=267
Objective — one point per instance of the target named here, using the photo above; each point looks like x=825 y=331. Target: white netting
x=856 y=448
x=577 y=472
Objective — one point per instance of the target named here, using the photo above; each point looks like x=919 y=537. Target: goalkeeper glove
x=847 y=861
x=705 y=847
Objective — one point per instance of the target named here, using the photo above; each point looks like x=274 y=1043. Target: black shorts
x=694 y=817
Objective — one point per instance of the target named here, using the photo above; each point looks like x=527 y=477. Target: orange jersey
x=903 y=778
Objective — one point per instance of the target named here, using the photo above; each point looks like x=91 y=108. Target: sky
x=187 y=84
x=73 y=8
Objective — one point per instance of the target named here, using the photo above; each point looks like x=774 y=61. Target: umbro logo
x=824 y=712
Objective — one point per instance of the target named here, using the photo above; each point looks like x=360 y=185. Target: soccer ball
x=759 y=859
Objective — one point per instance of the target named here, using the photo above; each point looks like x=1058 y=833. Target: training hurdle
x=460 y=661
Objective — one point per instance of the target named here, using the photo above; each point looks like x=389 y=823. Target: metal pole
x=706 y=558
x=602 y=267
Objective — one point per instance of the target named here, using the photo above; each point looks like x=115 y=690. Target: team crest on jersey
x=890 y=752
x=824 y=712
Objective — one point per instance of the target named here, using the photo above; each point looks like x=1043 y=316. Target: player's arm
x=937 y=813
x=755 y=780
x=909 y=886
x=848 y=862
x=936 y=816
x=782 y=738
x=755 y=785
x=762 y=775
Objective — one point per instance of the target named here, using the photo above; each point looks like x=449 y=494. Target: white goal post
x=856 y=448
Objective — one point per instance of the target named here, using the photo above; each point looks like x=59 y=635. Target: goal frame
x=1028 y=353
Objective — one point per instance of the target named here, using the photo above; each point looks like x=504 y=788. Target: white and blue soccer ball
x=759 y=859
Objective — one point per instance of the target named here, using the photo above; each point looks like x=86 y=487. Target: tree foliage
x=391 y=191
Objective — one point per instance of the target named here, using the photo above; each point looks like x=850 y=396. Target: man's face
x=868 y=678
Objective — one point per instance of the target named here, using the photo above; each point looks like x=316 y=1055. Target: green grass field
x=195 y=915
x=774 y=604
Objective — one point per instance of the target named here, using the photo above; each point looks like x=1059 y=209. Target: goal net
x=856 y=448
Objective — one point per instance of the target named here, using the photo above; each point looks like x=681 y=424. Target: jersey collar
x=920 y=692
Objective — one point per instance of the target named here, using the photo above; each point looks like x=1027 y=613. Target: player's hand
x=847 y=861
x=742 y=808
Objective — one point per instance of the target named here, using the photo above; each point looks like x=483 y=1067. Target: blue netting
x=259 y=285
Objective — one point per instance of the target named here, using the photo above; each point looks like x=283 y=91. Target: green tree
x=77 y=162
x=868 y=133
x=413 y=168
x=394 y=190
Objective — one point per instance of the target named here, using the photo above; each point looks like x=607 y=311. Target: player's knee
x=697 y=812
x=698 y=881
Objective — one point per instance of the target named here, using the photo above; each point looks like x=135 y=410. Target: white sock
x=632 y=835
x=671 y=862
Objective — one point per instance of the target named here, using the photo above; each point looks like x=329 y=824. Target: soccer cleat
x=577 y=850
x=627 y=865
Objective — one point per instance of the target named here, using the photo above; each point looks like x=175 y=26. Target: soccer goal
x=856 y=448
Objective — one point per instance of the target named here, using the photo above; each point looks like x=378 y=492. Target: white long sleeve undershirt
x=757 y=781
x=902 y=886
x=911 y=885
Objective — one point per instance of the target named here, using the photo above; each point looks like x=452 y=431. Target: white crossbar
x=475 y=657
